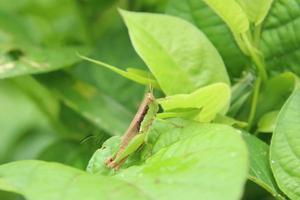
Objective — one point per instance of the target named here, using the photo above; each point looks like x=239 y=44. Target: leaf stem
x=257 y=34
x=255 y=56
x=254 y=102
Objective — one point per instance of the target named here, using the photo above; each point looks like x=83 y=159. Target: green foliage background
x=56 y=107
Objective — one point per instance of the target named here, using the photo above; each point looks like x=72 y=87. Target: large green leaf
x=232 y=13
x=180 y=57
x=100 y=109
x=38 y=180
x=285 y=147
x=210 y=100
x=201 y=162
x=260 y=169
x=201 y=15
x=280 y=38
x=256 y=10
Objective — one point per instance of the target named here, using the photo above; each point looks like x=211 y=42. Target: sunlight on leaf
x=231 y=13
x=211 y=99
x=180 y=56
x=256 y=10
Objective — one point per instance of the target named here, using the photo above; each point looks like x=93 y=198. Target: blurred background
x=64 y=115
x=51 y=116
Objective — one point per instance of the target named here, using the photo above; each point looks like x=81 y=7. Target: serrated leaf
x=284 y=150
x=100 y=109
x=256 y=10
x=185 y=57
x=232 y=13
x=136 y=75
x=202 y=16
x=211 y=99
x=260 y=169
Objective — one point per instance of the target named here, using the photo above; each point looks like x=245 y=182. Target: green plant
x=225 y=76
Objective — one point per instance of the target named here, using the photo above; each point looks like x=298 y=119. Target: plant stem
x=257 y=33
x=254 y=102
x=258 y=61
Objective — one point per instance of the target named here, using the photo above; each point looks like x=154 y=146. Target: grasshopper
x=137 y=132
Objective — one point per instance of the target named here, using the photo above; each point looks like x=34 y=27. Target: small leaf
x=285 y=151
x=97 y=162
x=33 y=60
x=256 y=10
x=260 y=169
x=223 y=119
x=275 y=93
x=136 y=75
x=267 y=122
x=210 y=99
x=232 y=13
x=175 y=50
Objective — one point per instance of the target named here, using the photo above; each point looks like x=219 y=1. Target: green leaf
x=175 y=50
x=223 y=119
x=280 y=35
x=34 y=180
x=191 y=157
x=256 y=10
x=211 y=99
x=187 y=155
x=200 y=158
x=232 y=13
x=96 y=164
x=100 y=109
x=202 y=16
x=285 y=143
x=136 y=75
x=275 y=93
x=267 y=122
x=33 y=60
x=260 y=169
